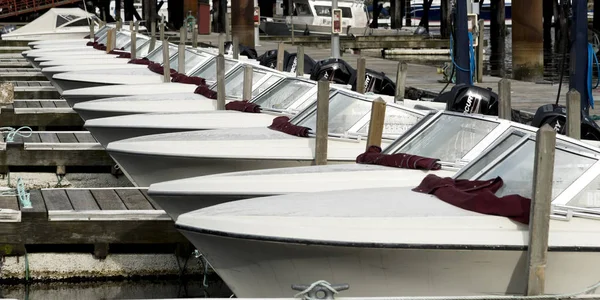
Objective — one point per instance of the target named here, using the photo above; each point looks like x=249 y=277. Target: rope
x=322 y=283
x=591 y=59
x=201 y=259
x=471 y=69
x=20 y=192
x=10 y=137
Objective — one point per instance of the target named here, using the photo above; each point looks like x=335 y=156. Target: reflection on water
x=137 y=289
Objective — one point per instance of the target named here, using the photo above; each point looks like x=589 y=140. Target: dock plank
x=56 y=199
x=48 y=104
x=154 y=204
x=85 y=137
x=61 y=103
x=108 y=200
x=9 y=202
x=34 y=138
x=134 y=199
x=66 y=137
x=20 y=104
x=49 y=137
x=82 y=200
x=33 y=104
x=37 y=202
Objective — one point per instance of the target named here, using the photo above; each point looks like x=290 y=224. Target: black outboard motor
x=556 y=116
x=378 y=83
x=334 y=70
x=244 y=50
x=292 y=63
x=470 y=99
x=269 y=59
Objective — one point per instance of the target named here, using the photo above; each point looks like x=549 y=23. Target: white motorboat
x=56 y=23
x=387 y=242
x=194 y=60
x=155 y=158
x=202 y=114
x=208 y=72
x=450 y=137
x=62 y=42
x=292 y=88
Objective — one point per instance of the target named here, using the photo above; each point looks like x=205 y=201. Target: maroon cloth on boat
x=158 y=68
x=373 y=156
x=140 y=61
x=99 y=46
x=283 y=124
x=477 y=195
x=243 y=106
x=182 y=78
x=90 y=43
x=206 y=92
x=124 y=55
x=116 y=51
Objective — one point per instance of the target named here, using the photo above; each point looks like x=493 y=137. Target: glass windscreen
x=102 y=39
x=266 y=84
x=191 y=60
x=101 y=31
x=396 y=122
x=449 y=137
x=142 y=50
x=122 y=40
x=157 y=55
x=209 y=70
x=284 y=94
x=138 y=41
x=234 y=83
x=516 y=169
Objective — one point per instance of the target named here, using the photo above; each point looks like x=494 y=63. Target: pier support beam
x=396 y=14
x=497 y=38
x=445 y=19
x=597 y=15
x=129 y=9
x=527 y=40
x=579 y=55
x=242 y=24
x=462 y=43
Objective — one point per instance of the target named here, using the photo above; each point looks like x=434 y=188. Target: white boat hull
x=65 y=35
x=255 y=268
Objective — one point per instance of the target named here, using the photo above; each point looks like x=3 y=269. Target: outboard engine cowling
x=470 y=99
x=244 y=50
x=378 y=83
x=335 y=70
x=292 y=63
x=556 y=116
x=269 y=59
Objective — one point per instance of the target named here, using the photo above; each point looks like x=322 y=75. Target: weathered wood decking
x=35 y=90
x=39 y=113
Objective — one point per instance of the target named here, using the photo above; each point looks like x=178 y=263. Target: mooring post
x=247 y=91
x=220 y=82
x=136 y=26
x=92 y=37
x=579 y=54
x=181 y=51
x=280 y=55
x=162 y=31
x=480 y=51
x=152 y=36
x=539 y=218
x=300 y=64
x=133 y=44
x=166 y=66
x=376 y=123
x=119 y=25
x=235 y=45
x=574 y=114
x=221 y=42
x=401 y=81
x=361 y=74
x=462 y=44
x=130 y=26
x=322 y=122
x=109 y=40
x=195 y=36
x=505 y=110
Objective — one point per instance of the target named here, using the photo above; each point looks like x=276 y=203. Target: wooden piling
x=376 y=123
x=300 y=64
x=133 y=45
x=109 y=40
x=92 y=36
x=162 y=31
x=221 y=42
x=401 y=81
x=280 y=55
x=136 y=25
x=235 y=46
x=539 y=219
x=166 y=66
x=322 y=122
x=574 y=114
x=361 y=66
x=504 y=111
x=480 y=51
x=220 y=82
x=152 y=36
x=119 y=25
x=131 y=26
x=181 y=51
x=247 y=91
x=195 y=36
x=497 y=38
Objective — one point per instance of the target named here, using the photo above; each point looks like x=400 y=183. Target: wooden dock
x=72 y=216
x=35 y=90
x=39 y=113
x=21 y=74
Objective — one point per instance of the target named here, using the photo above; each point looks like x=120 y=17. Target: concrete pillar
x=242 y=23
x=527 y=40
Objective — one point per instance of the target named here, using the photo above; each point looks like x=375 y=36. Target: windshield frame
x=292 y=108
x=255 y=68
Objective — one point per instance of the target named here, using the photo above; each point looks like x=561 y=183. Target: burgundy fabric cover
x=283 y=124
x=124 y=55
x=373 y=156
x=182 y=78
x=206 y=92
x=140 y=61
x=90 y=43
x=158 y=68
x=243 y=106
x=477 y=195
x=88 y=36
x=99 y=46
x=116 y=51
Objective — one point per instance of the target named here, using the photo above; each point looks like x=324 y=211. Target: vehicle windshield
x=209 y=70
x=157 y=55
x=281 y=96
x=515 y=167
x=448 y=138
x=191 y=60
x=345 y=111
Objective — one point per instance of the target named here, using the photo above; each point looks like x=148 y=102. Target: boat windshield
x=138 y=41
x=157 y=55
x=234 y=82
x=209 y=70
x=347 y=111
x=101 y=31
x=122 y=40
x=515 y=165
x=192 y=59
x=281 y=96
x=143 y=49
x=448 y=137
